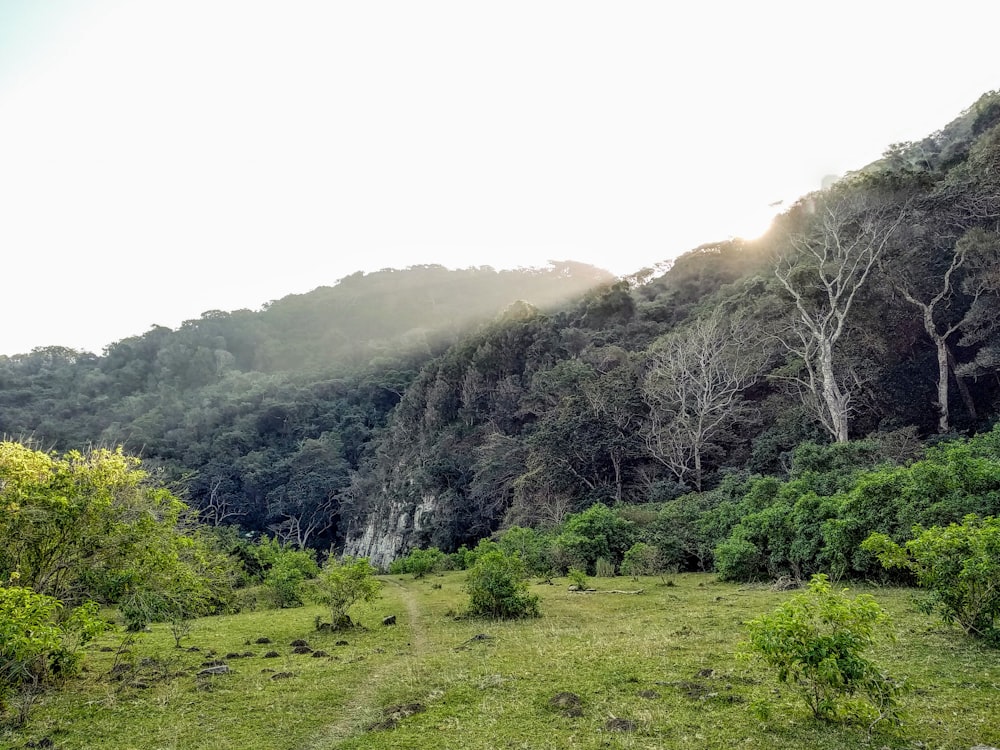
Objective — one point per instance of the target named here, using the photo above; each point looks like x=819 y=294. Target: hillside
x=428 y=407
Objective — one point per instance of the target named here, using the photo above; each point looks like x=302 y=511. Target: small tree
x=959 y=564
x=35 y=646
x=497 y=588
x=289 y=569
x=341 y=584
x=816 y=641
x=642 y=559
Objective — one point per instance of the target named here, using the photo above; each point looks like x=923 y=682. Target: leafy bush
x=817 y=641
x=532 y=545
x=642 y=559
x=960 y=566
x=596 y=532
x=497 y=588
x=341 y=584
x=419 y=562
x=35 y=646
x=578 y=578
x=604 y=568
x=289 y=569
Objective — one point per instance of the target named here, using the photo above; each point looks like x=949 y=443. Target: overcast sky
x=160 y=159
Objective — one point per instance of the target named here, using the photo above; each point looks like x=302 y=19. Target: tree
x=498 y=589
x=817 y=642
x=949 y=300
x=343 y=583
x=694 y=388
x=826 y=267
x=75 y=524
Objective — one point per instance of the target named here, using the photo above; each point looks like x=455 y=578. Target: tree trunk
x=963 y=389
x=833 y=395
x=942 y=384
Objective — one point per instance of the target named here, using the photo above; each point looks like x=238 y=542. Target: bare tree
x=694 y=388
x=217 y=511
x=972 y=269
x=826 y=268
x=297 y=529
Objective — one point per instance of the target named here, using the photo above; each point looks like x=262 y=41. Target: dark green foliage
x=817 y=641
x=959 y=565
x=497 y=588
x=435 y=393
x=598 y=532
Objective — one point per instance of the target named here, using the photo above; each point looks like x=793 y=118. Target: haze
x=158 y=160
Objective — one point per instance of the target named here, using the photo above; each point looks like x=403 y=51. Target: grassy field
x=597 y=670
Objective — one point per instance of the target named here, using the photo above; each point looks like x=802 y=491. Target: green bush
x=642 y=559
x=343 y=583
x=419 y=562
x=817 y=642
x=578 y=578
x=596 y=532
x=532 y=545
x=604 y=568
x=497 y=588
x=37 y=645
x=959 y=565
x=289 y=569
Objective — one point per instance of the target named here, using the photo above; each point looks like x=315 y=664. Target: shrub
x=816 y=641
x=959 y=565
x=419 y=562
x=341 y=584
x=642 y=559
x=578 y=578
x=289 y=569
x=35 y=646
x=497 y=588
x=604 y=568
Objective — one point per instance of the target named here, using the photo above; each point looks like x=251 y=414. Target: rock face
x=391 y=529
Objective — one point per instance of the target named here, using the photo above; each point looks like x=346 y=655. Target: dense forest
x=433 y=408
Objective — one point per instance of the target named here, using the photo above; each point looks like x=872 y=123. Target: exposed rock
x=388 y=528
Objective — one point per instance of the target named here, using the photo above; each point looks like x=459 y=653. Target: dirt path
x=355 y=709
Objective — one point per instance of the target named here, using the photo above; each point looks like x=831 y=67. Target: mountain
x=427 y=407
x=867 y=310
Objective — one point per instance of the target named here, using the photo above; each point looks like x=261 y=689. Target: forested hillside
x=259 y=418
x=431 y=408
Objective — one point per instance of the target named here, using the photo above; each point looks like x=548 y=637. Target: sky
x=162 y=159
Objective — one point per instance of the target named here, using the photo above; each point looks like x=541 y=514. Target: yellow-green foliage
x=818 y=642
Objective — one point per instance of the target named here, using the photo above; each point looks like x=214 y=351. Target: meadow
x=656 y=669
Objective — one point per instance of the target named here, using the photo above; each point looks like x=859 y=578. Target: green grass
x=663 y=660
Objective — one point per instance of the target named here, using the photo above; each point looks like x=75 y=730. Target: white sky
x=163 y=158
